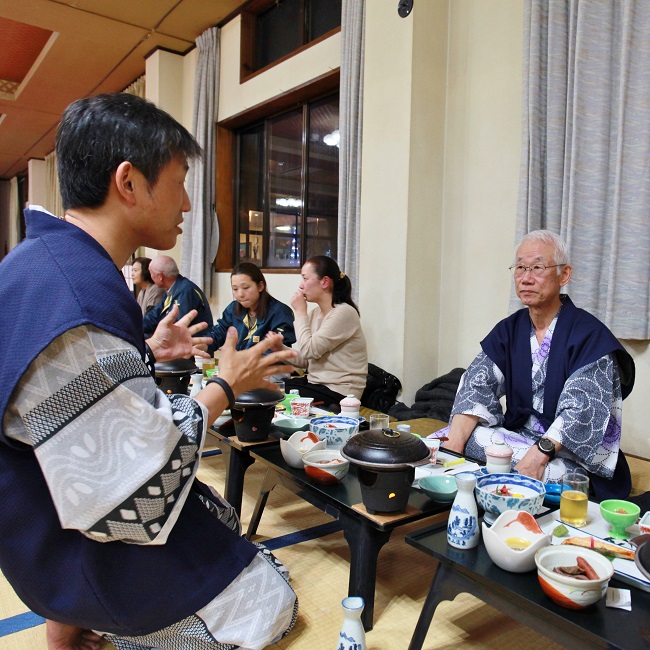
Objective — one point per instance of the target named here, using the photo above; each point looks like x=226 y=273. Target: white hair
x=165 y=265
x=560 y=253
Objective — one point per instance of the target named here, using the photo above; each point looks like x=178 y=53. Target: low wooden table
x=238 y=457
x=365 y=533
x=520 y=596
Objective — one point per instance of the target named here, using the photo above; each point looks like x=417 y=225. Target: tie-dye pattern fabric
x=587 y=421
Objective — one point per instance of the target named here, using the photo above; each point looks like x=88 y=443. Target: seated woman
x=254 y=312
x=331 y=343
x=149 y=294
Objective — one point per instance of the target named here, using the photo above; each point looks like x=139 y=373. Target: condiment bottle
x=350 y=406
x=462 y=528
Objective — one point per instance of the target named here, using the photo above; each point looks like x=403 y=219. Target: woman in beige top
x=330 y=340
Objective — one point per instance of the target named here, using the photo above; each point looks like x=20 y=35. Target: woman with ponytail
x=330 y=340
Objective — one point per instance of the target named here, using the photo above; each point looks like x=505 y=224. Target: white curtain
x=138 y=87
x=350 y=128
x=201 y=230
x=52 y=194
x=586 y=149
x=14 y=214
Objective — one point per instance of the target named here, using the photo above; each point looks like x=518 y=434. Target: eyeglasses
x=536 y=269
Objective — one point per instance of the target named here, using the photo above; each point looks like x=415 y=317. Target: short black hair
x=97 y=134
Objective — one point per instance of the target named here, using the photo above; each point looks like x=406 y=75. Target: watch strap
x=550 y=452
x=225 y=386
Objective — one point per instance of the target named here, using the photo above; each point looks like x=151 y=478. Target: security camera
x=404 y=8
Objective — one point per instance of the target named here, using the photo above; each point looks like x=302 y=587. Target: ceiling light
x=332 y=139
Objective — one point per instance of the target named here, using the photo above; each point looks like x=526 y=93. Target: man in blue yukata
x=564 y=376
x=104 y=528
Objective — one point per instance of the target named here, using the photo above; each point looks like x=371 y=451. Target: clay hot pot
x=386 y=462
x=253 y=413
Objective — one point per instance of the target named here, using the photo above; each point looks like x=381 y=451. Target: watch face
x=546 y=445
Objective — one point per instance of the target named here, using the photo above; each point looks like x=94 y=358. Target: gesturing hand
x=247 y=369
x=175 y=339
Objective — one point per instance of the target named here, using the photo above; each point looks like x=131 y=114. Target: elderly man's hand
x=175 y=339
x=533 y=463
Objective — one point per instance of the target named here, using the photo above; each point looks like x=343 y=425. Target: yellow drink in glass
x=208 y=364
x=573 y=508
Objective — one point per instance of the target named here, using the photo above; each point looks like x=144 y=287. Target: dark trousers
x=331 y=400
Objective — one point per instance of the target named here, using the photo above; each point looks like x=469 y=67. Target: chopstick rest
x=451 y=463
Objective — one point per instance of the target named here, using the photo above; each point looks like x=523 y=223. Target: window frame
x=247 y=41
x=226 y=158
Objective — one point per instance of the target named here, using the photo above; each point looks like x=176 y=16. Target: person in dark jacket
x=564 y=376
x=104 y=527
x=254 y=312
x=180 y=291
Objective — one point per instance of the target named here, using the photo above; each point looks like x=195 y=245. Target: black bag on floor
x=381 y=389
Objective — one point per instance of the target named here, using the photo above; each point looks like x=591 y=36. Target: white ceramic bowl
x=532 y=494
x=335 y=430
x=326 y=466
x=290 y=425
x=298 y=444
x=644 y=523
x=567 y=591
x=512 y=530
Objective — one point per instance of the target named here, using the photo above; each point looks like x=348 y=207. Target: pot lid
x=259 y=397
x=386 y=448
x=175 y=367
x=499 y=451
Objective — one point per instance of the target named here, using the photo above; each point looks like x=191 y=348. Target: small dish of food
x=513 y=540
x=620 y=515
x=298 y=444
x=497 y=493
x=573 y=577
x=325 y=466
x=644 y=524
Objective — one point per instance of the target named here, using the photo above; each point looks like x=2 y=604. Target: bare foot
x=60 y=636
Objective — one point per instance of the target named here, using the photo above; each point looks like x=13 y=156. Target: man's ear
x=565 y=275
x=125 y=181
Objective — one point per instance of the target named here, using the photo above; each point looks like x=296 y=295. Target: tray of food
x=596 y=536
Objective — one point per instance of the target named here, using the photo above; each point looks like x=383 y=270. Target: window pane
x=251 y=192
x=278 y=32
x=324 y=15
x=285 y=189
x=323 y=179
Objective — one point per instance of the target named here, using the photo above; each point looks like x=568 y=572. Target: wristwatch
x=546 y=446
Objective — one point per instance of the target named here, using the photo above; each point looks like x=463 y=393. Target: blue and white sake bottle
x=462 y=528
x=352 y=635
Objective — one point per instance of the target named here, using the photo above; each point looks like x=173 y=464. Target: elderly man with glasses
x=563 y=374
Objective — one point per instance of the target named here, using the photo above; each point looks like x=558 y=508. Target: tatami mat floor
x=319 y=570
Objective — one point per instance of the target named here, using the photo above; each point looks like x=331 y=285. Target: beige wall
x=442 y=115
x=37 y=190
x=170 y=85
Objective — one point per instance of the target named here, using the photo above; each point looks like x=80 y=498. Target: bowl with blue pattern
x=497 y=493
x=335 y=430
